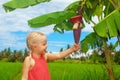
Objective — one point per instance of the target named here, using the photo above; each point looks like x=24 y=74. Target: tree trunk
x=108 y=66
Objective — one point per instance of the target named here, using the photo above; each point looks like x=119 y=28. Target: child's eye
x=44 y=44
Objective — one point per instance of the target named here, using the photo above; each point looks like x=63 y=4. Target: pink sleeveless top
x=39 y=70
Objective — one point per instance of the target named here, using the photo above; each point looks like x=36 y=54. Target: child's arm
x=63 y=54
x=26 y=66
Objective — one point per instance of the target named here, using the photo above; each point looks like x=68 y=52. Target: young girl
x=35 y=66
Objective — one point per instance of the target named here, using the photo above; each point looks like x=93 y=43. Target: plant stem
x=114 y=4
x=108 y=66
x=93 y=22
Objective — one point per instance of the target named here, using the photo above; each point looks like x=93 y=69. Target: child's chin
x=43 y=52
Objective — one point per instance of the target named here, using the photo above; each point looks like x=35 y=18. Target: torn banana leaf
x=65 y=25
x=91 y=41
x=14 y=4
x=50 y=18
x=109 y=26
x=72 y=7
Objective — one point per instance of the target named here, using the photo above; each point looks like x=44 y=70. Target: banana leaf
x=92 y=41
x=109 y=26
x=72 y=7
x=14 y=4
x=51 y=18
x=60 y=19
x=65 y=25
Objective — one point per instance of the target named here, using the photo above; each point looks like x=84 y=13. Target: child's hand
x=75 y=47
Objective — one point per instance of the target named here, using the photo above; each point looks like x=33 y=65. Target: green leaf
x=91 y=41
x=108 y=8
x=109 y=26
x=14 y=4
x=89 y=10
x=89 y=4
x=84 y=47
x=66 y=25
x=98 y=10
x=115 y=45
x=100 y=30
x=50 y=18
x=117 y=19
x=72 y=7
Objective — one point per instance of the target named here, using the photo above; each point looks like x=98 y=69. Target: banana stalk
x=118 y=37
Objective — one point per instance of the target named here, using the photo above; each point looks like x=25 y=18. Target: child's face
x=41 y=45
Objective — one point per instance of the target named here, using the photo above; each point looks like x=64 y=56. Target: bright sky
x=14 y=27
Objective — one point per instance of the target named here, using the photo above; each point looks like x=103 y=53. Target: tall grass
x=61 y=71
x=77 y=71
x=9 y=71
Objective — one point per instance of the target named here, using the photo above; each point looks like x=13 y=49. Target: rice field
x=62 y=71
x=10 y=71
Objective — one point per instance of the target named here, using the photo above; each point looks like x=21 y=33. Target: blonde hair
x=32 y=38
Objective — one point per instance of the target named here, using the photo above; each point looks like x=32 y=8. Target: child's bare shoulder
x=28 y=60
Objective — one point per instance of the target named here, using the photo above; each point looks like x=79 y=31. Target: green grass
x=9 y=71
x=72 y=71
x=61 y=71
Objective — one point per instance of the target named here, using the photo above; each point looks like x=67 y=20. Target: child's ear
x=34 y=46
